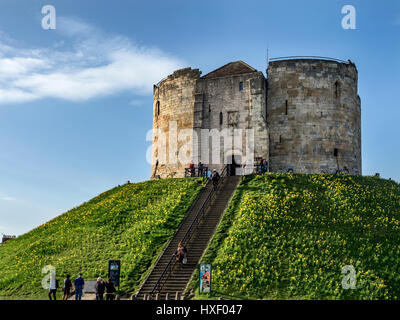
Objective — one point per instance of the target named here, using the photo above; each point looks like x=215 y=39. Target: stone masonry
x=314 y=116
x=305 y=116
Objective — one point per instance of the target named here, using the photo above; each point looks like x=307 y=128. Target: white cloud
x=93 y=65
x=5 y=198
x=73 y=26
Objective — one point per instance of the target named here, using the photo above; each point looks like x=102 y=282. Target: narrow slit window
x=209 y=108
x=337 y=89
x=158 y=108
x=286 y=107
x=335 y=152
x=240 y=86
x=221 y=118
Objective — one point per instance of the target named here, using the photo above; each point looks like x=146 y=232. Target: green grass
x=289 y=236
x=132 y=223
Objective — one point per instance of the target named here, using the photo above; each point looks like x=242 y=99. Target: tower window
x=286 y=107
x=337 y=89
x=240 y=86
x=335 y=152
x=158 y=108
x=220 y=118
x=209 y=108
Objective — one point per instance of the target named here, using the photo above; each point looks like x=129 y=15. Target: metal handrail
x=166 y=246
x=307 y=57
x=212 y=192
x=171 y=263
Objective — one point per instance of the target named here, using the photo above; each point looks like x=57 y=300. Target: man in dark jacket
x=79 y=284
x=99 y=288
x=110 y=290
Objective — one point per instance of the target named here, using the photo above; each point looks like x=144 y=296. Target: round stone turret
x=314 y=116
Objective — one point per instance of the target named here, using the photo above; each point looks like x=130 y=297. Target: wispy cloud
x=6 y=198
x=87 y=65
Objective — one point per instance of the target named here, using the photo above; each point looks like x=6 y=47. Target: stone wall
x=241 y=102
x=173 y=108
x=312 y=109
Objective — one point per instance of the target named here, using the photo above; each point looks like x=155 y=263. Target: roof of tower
x=231 y=68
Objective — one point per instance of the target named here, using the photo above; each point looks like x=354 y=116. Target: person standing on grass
x=53 y=287
x=265 y=166
x=79 y=284
x=260 y=165
x=110 y=290
x=99 y=288
x=67 y=287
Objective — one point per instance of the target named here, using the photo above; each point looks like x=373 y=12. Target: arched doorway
x=233 y=163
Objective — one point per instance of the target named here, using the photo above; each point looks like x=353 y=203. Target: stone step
x=198 y=242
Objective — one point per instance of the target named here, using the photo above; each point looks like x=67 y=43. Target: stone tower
x=173 y=114
x=314 y=116
x=304 y=116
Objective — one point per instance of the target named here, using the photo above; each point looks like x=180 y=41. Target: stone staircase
x=169 y=277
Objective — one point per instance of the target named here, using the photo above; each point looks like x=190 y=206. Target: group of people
x=102 y=287
x=261 y=168
x=200 y=169
x=78 y=285
x=214 y=175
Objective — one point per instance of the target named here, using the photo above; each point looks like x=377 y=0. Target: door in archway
x=232 y=166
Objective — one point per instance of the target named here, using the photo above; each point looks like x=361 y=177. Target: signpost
x=114 y=271
x=205 y=278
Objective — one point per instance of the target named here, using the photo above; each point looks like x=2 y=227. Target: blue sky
x=76 y=102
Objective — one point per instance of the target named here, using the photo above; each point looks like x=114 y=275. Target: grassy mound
x=131 y=223
x=289 y=236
